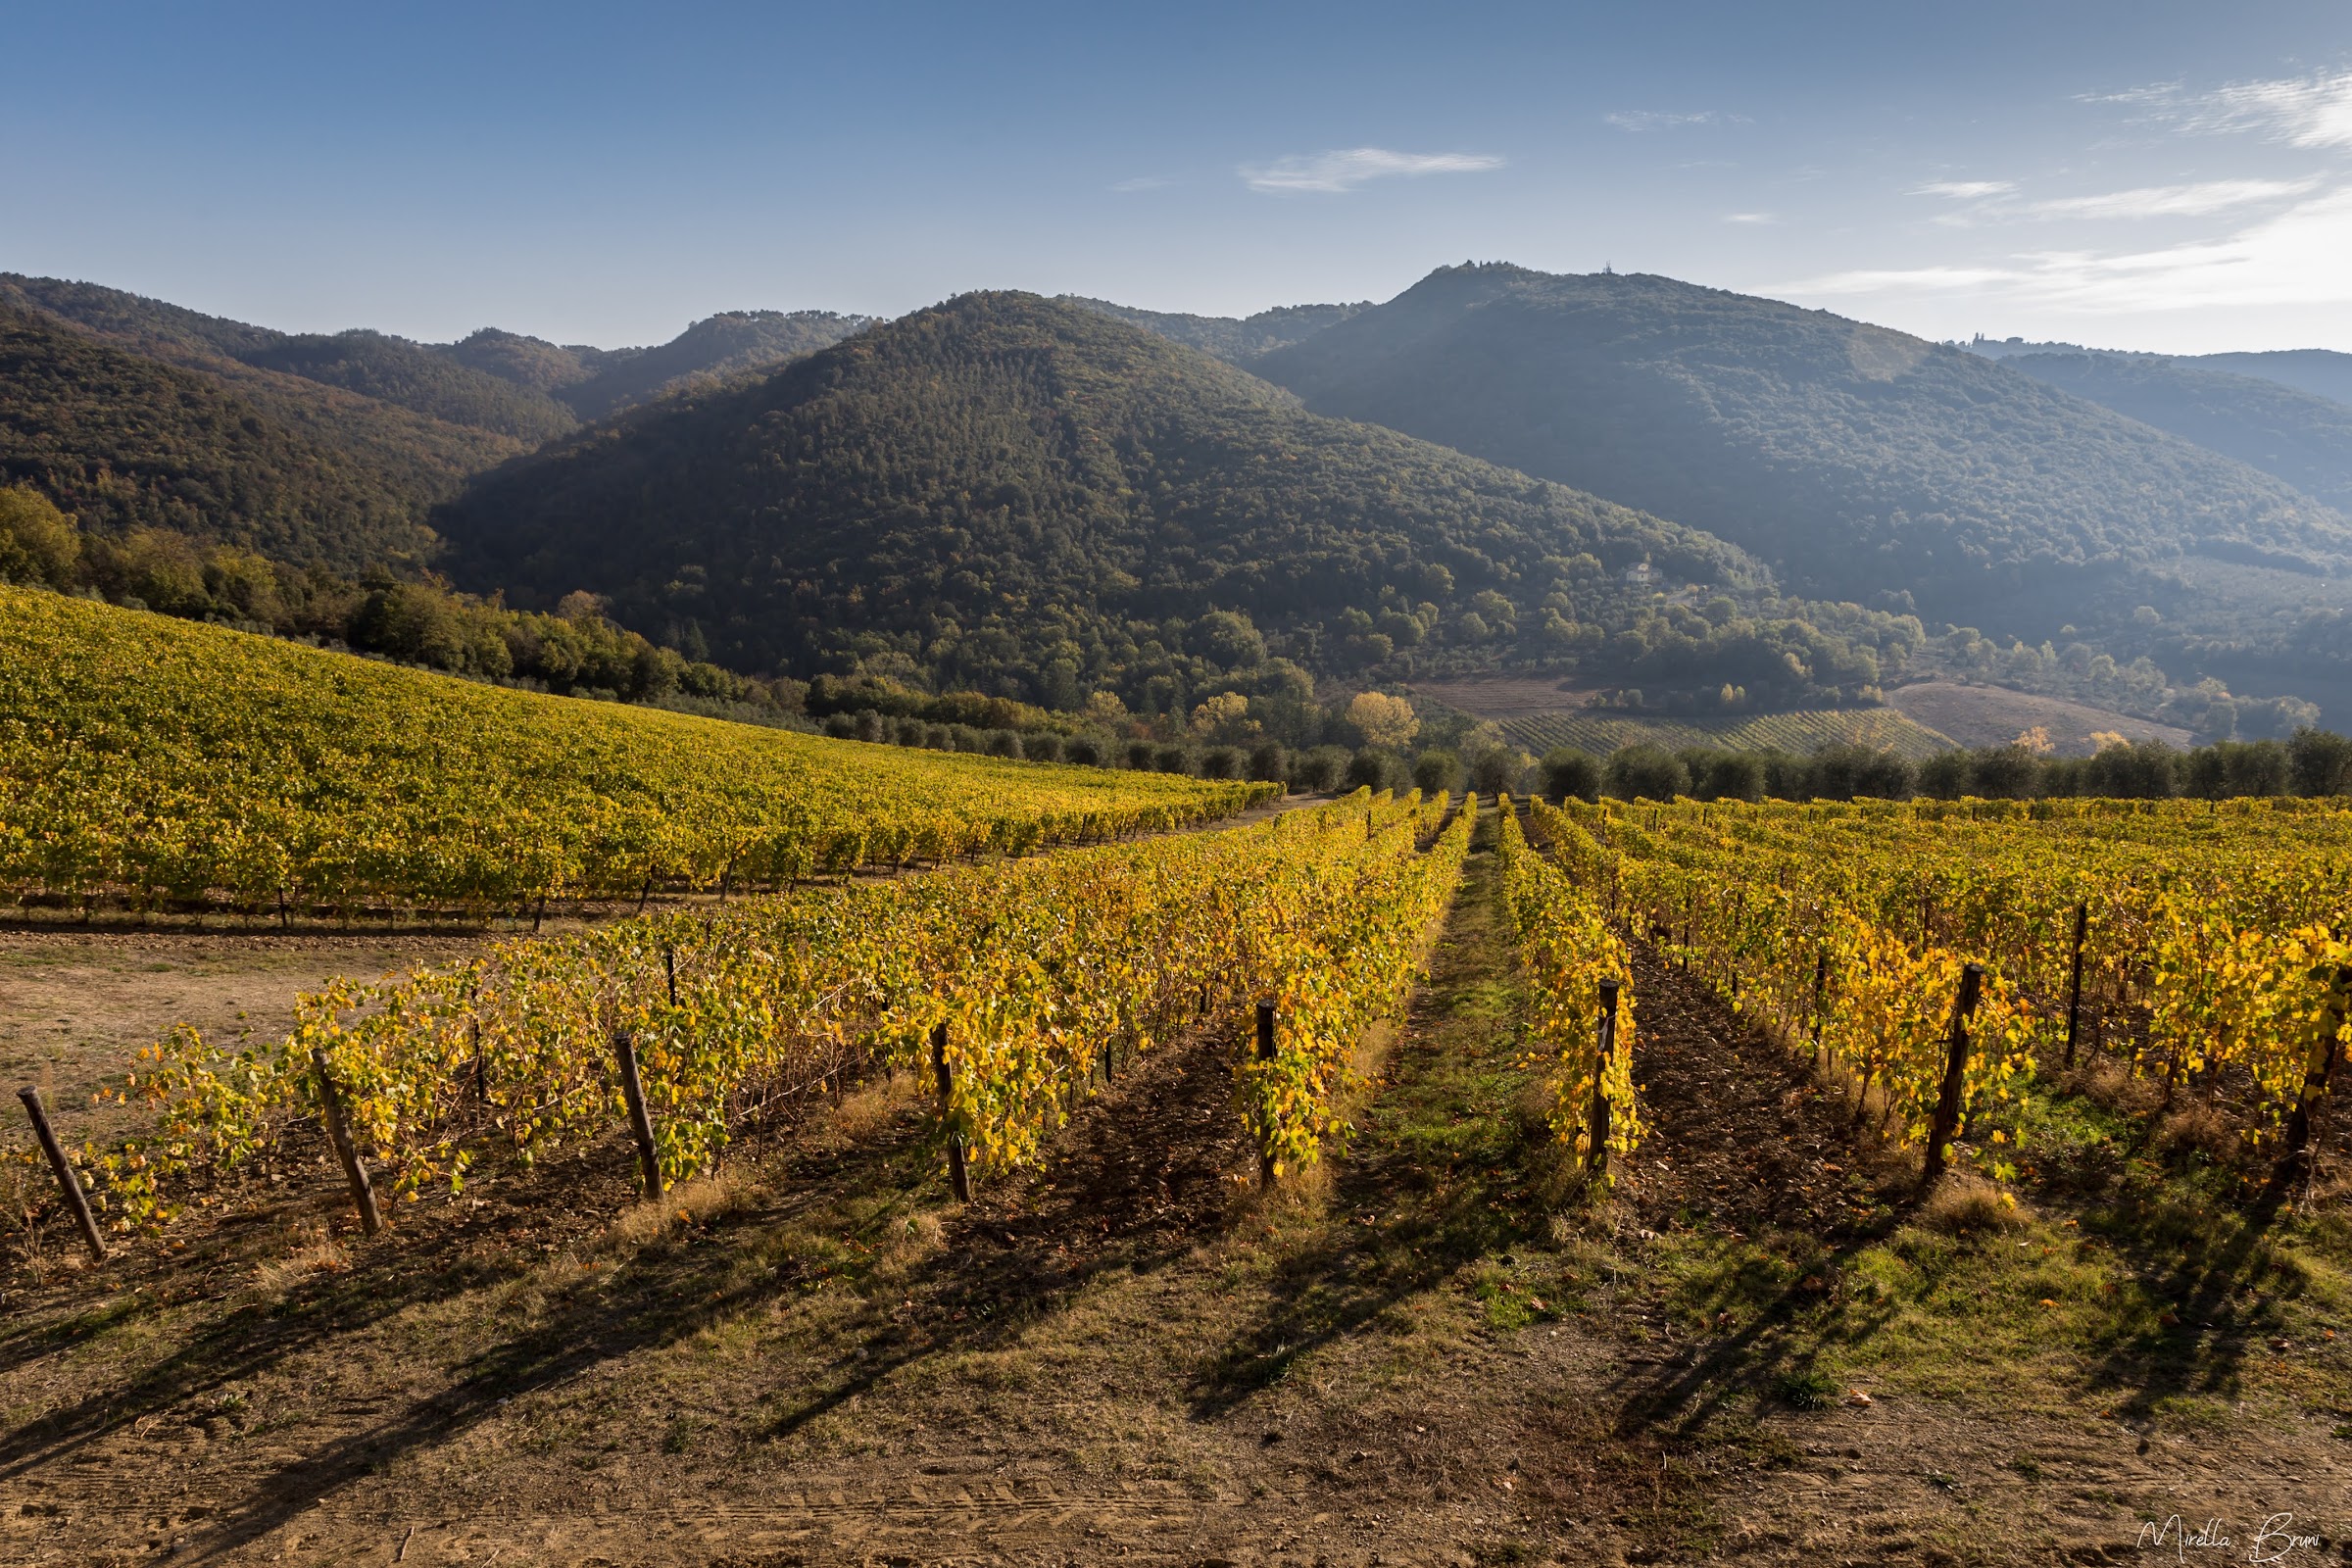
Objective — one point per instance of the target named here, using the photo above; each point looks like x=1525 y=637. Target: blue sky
x=2173 y=176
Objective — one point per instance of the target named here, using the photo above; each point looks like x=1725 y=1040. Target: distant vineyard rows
x=1797 y=733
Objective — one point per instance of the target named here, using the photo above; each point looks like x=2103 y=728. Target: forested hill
x=1855 y=459
x=2321 y=372
x=2291 y=435
x=123 y=440
x=515 y=386
x=1029 y=498
x=591 y=382
x=312 y=449
x=388 y=369
x=1237 y=340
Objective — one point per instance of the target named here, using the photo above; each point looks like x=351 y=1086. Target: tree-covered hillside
x=592 y=382
x=1028 y=498
x=420 y=456
x=123 y=441
x=1237 y=340
x=1856 y=461
x=315 y=450
x=2321 y=372
x=389 y=370
x=407 y=376
x=2294 y=436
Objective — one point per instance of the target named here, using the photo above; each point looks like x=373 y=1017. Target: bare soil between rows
x=1428 y=1351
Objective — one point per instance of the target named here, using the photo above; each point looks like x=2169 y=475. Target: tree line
x=2312 y=762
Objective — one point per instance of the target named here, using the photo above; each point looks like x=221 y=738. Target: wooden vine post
x=67 y=1183
x=958 y=1177
x=1731 y=960
x=641 y=1121
x=1597 y=1151
x=1265 y=1053
x=2073 y=989
x=338 y=1133
x=1821 y=997
x=2318 y=1068
x=1955 y=1072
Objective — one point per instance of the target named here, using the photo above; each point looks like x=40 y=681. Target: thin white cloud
x=1347 y=170
x=2313 y=112
x=1751 y=218
x=1144 y=182
x=2173 y=201
x=2293 y=258
x=1902 y=280
x=1663 y=120
x=1963 y=190
x=2155 y=92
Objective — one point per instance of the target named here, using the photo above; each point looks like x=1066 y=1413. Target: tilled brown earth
x=1128 y=1357
x=1742 y=1133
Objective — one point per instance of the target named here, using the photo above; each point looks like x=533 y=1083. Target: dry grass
x=2203 y=1129
x=315 y=1251
x=1963 y=1204
x=704 y=1201
x=2110 y=1086
x=866 y=1110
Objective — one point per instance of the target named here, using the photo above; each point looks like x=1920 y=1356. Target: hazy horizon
x=2160 y=178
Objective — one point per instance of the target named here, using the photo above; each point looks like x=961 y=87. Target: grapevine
x=1038 y=968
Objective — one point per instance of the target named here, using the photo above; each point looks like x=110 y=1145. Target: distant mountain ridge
x=315 y=449
x=1858 y=462
x=2319 y=372
x=592 y=382
x=124 y=441
x=2295 y=437
x=1031 y=497
x=390 y=369
x=1001 y=490
x=1237 y=340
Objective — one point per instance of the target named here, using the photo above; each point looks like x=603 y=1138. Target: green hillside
x=312 y=448
x=123 y=440
x=2321 y=372
x=1856 y=461
x=1237 y=340
x=413 y=455
x=389 y=370
x=1032 y=500
x=407 y=376
x=1797 y=733
x=2295 y=437
x=592 y=382
x=716 y=348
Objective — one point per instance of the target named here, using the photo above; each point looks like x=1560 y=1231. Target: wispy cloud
x=1751 y=218
x=2314 y=111
x=2173 y=201
x=1347 y=170
x=1145 y=183
x=2155 y=92
x=1664 y=120
x=2293 y=258
x=1903 y=280
x=1963 y=190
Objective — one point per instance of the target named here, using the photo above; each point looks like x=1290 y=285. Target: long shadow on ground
x=1137 y=1182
